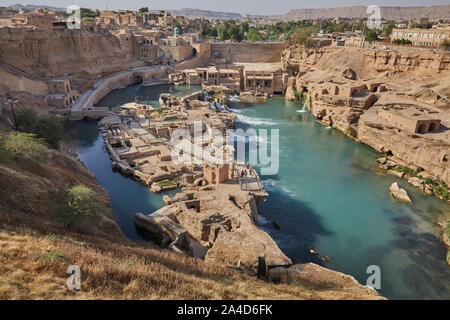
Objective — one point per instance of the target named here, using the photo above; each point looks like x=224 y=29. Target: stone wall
x=123 y=79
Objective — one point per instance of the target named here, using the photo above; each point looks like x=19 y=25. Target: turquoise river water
x=327 y=195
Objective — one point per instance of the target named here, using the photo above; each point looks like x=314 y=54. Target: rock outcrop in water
x=399 y=193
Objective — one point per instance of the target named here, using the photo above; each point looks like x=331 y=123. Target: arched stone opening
x=433 y=127
x=422 y=128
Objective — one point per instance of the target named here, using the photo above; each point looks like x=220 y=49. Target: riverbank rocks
x=167 y=200
x=160 y=225
x=155 y=187
x=391 y=164
x=290 y=90
x=428 y=189
x=396 y=173
x=421 y=185
x=446 y=237
x=416 y=182
x=310 y=275
x=245 y=245
x=399 y=193
x=446 y=234
x=382 y=160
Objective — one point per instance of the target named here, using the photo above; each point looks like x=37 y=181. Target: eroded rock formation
x=395 y=101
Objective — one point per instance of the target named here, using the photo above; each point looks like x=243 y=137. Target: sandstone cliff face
x=340 y=113
x=411 y=149
x=394 y=61
x=366 y=63
x=347 y=86
x=291 y=89
x=294 y=59
x=51 y=54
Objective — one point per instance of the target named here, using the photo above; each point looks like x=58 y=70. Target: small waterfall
x=304 y=109
x=305 y=105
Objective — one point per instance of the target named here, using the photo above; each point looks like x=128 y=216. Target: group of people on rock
x=249 y=172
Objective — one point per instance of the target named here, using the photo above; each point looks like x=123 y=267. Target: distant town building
x=423 y=37
x=39 y=18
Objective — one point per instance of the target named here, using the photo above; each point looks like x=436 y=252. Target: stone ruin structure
x=412 y=120
x=216 y=208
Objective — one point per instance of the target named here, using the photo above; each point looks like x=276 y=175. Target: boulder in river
x=396 y=191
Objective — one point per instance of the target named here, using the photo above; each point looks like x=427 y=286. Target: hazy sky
x=241 y=6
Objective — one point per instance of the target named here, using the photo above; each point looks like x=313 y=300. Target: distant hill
x=388 y=13
x=31 y=7
x=198 y=13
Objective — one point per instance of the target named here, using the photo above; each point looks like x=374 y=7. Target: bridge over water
x=84 y=105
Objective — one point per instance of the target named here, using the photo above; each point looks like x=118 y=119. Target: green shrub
x=21 y=145
x=408 y=170
x=75 y=206
x=401 y=41
x=167 y=183
x=27 y=120
x=427 y=180
x=54 y=256
x=3 y=153
x=405 y=169
x=371 y=35
x=442 y=191
x=50 y=128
